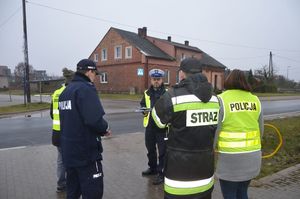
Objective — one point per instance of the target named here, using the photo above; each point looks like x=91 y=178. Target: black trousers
x=155 y=137
x=86 y=181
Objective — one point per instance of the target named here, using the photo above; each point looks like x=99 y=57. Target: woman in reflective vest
x=239 y=135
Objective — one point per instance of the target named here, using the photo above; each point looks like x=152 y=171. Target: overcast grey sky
x=238 y=33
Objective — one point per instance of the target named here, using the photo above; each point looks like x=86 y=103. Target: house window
x=177 y=77
x=182 y=56
x=216 y=82
x=128 y=52
x=103 y=77
x=167 y=77
x=118 y=52
x=104 y=54
x=96 y=57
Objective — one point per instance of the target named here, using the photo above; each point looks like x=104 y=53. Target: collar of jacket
x=81 y=77
x=151 y=90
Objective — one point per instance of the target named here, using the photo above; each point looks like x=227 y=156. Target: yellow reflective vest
x=240 y=131
x=148 y=105
x=55 y=111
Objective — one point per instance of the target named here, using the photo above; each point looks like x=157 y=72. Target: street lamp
x=287 y=72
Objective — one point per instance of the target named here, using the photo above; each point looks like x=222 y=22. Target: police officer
x=154 y=135
x=191 y=112
x=240 y=130
x=54 y=114
x=82 y=125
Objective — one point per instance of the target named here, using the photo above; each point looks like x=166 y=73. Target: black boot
x=159 y=179
x=149 y=172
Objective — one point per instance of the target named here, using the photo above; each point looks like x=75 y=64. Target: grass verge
x=289 y=153
x=22 y=108
x=121 y=96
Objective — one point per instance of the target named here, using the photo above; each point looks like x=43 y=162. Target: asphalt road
x=36 y=130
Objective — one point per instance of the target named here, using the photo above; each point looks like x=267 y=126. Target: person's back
x=82 y=125
x=191 y=112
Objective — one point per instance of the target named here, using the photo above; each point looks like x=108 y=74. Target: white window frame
x=103 y=55
x=96 y=57
x=167 y=77
x=183 y=56
x=116 y=55
x=128 y=49
x=103 y=78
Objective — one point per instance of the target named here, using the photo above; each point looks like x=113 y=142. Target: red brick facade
x=122 y=73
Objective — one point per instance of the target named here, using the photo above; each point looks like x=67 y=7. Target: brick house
x=124 y=58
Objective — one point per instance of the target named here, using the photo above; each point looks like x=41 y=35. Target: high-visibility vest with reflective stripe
x=148 y=105
x=240 y=127
x=55 y=111
x=184 y=188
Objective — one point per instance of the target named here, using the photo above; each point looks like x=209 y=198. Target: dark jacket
x=191 y=112
x=82 y=123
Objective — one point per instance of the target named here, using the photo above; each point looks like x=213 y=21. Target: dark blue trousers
x=234 y=190
x=86 y=181
x=153 y=137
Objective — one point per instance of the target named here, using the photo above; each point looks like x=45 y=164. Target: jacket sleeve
x=162 y=111
x=91 y=111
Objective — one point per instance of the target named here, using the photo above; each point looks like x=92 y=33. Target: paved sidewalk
x=30 y=173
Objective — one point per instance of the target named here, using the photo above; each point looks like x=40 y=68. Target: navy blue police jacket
x=82 y=123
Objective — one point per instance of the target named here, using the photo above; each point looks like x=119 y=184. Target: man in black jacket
x=191 y=112
x=82 y=125
x=154 y=135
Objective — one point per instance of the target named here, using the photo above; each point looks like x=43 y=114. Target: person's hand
x=145 y=113
x=108 y=133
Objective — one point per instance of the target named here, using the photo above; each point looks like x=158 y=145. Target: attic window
x=128 y=52
x=118 y=52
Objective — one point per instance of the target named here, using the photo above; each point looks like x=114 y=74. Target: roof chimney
x=142 y=32
x=186 y=42
x=169 y=38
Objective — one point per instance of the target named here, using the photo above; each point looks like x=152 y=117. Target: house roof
x=210 y=61
x=144 y=46
x=179 y=45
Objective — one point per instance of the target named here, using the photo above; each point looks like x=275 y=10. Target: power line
x=10 y=17
x=241 y=58
x=178 y=35
x=282 y=57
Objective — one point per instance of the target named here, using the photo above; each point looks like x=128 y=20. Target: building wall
x=3 y=82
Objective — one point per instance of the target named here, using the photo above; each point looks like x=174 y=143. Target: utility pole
x=287 y=72
x=271 y=67
x=26 y=85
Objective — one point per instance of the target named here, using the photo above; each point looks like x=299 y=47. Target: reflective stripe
x=202 y=187
x=195 y=106
x=56 y=111
x=241 y=144
x=240 y=135
x=190 y=98
x=56 y=122
x=187 y=184
x=156 y=119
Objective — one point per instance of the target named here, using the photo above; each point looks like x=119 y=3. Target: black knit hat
x=191 y=65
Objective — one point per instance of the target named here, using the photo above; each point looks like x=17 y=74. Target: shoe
x=60 y=189
x=149 y=172
x=158 y=180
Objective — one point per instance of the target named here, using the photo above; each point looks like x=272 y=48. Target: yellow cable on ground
x=278 y=146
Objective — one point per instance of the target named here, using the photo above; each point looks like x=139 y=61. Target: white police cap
x=156 y=73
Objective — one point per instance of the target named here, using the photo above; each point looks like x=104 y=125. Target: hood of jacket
x=198 y=85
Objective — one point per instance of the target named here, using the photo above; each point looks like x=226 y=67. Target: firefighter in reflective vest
x=191 y=112
x=239 y=136
x=54 y=114
x=154 y=136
